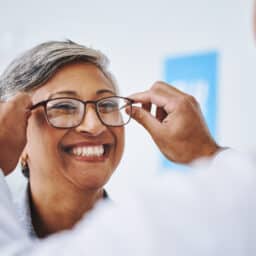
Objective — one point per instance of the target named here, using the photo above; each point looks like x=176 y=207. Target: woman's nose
x=91 y=123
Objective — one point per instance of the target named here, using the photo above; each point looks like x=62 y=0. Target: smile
x=90 y=151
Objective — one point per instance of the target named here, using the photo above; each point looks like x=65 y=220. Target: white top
x=23 y=209
x=209 y=211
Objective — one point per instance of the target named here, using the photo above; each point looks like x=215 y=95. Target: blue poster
x=195 y=74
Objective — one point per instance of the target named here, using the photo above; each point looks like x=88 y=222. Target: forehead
x=83 y=78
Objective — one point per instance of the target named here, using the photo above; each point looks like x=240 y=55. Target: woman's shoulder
x=22 y=203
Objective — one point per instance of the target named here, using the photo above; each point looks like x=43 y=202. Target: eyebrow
x=104 y=91
x=74 y=93
x=71 y=93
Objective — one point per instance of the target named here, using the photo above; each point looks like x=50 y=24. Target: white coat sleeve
x=208 y=211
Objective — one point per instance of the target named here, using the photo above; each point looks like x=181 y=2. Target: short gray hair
x=37 y=65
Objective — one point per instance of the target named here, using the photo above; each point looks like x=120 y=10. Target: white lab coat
x=209 y=211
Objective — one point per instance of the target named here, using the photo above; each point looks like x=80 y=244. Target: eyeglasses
x=69 y=112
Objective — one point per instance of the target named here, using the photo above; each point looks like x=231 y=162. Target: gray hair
x=37 y=65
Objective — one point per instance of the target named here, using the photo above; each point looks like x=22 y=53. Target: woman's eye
x=63 y=106
x=109 y=106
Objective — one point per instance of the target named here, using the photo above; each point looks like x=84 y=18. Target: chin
x=92 y=182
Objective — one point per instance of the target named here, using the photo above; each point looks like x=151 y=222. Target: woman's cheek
x=120 y=141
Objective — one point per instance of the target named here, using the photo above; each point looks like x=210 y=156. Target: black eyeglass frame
x=94 y=102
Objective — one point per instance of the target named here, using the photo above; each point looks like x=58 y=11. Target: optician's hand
x=13 y=123
x=178 y=127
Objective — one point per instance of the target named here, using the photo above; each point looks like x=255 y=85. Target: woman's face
x=53 y=154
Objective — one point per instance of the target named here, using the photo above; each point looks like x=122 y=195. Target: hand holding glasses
x=68 y=112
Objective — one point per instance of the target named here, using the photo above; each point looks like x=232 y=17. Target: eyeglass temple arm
x=37 y=105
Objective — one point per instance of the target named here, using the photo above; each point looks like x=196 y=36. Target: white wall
x=137 y=36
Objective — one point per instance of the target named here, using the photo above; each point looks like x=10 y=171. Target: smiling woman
x=75 y=135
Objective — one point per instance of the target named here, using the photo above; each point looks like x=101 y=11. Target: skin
x=63 y=186
x=13 y=112
x=178 y=128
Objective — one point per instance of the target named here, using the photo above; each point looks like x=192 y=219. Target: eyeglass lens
x=67 y=113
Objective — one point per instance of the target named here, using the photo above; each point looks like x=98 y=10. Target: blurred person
x=75 y=134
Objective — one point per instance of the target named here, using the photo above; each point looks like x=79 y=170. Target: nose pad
x=91 y=123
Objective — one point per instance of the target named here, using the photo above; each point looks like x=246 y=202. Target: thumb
x=148 y=121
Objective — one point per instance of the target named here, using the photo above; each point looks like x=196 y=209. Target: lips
x=88 y=152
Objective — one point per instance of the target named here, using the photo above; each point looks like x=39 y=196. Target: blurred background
x=148 y=41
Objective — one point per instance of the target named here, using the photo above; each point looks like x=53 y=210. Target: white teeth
x=79 y=151
x=84 y=151
x=88 y=151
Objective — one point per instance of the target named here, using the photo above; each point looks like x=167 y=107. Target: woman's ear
x=24 y=156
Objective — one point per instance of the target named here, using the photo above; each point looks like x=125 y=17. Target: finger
x=147 y=106
x=158 y=88
x=149 y=122
x=19 y=105
x=165 y=87
x=160 y=94
x=28 y=113
x=22 y=99
x=147 y=97
x=161 y=99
